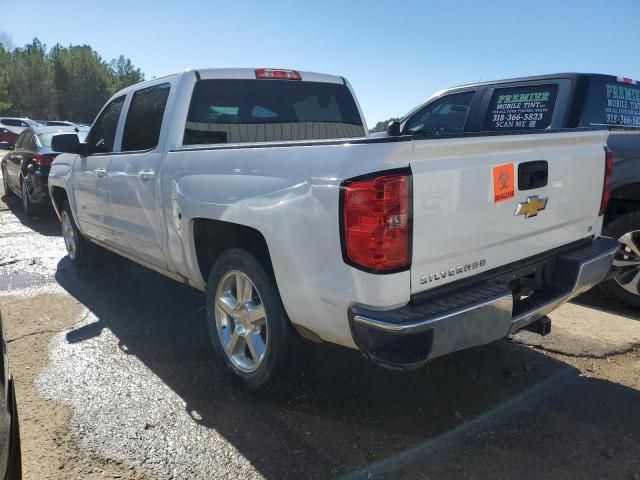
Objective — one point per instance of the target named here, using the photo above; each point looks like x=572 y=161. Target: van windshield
x=613 y=103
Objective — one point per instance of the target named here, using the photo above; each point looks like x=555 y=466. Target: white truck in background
x=262 y=189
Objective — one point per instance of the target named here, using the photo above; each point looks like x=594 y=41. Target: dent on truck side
x=291 y=196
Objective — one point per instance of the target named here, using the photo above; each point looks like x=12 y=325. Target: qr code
x=532 y=124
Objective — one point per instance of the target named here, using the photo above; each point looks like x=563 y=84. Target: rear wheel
x=248 y=326
x=625 y=285
x=27 y=204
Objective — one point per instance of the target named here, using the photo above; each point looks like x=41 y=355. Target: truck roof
x=250 y=74
x=240 y=74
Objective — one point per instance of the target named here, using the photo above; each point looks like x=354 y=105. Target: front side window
x=529 y=107
x=444 y=116
x=103 y=133
x=144 y=118
x=242 y=111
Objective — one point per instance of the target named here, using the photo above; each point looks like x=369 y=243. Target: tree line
x=382 y=126
x=63 y=83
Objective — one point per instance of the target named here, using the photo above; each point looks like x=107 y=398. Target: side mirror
x=6 y=146
x=68 y=143
x=393 y=129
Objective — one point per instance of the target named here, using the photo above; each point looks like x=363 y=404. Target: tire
x=14 y=468
x=625 y=286
x=29 y=208
x=266 y=349
x=78 y=247
x=7 y=190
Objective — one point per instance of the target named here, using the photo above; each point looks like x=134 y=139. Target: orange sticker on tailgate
x=503 y=182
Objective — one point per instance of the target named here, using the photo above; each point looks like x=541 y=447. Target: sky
x=396 y=54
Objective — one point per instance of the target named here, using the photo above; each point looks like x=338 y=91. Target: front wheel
x=5 y=183
x=625 y=285
x=77 y=246
x=248 y=326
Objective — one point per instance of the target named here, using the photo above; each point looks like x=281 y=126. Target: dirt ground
x=115 y=378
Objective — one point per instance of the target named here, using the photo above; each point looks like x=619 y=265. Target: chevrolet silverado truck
x=262 y=189
x=581 y=101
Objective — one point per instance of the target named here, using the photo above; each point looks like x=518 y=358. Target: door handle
x=146 y=175
x=100 y=172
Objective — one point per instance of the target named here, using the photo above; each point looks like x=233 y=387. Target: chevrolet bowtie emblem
x=531 y=207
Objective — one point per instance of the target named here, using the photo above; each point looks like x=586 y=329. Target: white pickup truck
x=262 y=189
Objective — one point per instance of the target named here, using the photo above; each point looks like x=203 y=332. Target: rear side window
x=243 y=111
x=103 y=133
x=20 y=140
x=28 y=136
x=444 y=116
x=610 y=102
x=14 y=123
x=144 y=119
x=529 y=107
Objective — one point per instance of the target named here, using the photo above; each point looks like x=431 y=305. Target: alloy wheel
x=241 y=321
x=69 y=235
x=627 y=260
x=25 y=196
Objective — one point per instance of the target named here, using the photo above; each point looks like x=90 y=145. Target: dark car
x=10 y=463
x=25 y=168
x=551 y=102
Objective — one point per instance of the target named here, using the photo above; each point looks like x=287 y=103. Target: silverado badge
x=531 y=207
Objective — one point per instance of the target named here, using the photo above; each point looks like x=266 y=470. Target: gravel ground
x=115 y=378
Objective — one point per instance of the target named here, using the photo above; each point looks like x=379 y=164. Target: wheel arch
x=212 y=237
x=624 y=199
x=58 y=197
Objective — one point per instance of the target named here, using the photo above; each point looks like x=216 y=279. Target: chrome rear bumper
x=477 y=314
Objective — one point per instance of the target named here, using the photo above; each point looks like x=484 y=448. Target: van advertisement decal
x=521 y=108
x=623 y=105
x=503 y=182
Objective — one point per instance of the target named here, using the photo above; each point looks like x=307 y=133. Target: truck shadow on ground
x=45 y=223
x=599 y=300
x=346 y=414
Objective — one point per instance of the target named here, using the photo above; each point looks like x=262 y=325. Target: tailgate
x=466 y=196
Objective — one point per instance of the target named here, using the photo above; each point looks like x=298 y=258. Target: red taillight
x=377 y=222
x=278 y=74
x=606 y=188
x=43 y=160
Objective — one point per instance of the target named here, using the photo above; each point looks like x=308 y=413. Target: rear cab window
x=611 y=101
x=526 y=107
x=247 y=111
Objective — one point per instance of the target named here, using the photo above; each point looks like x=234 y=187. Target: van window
x=444 y=116
x=529 y=107
x=144 y=118
x=610 y=102
x=242 y=111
